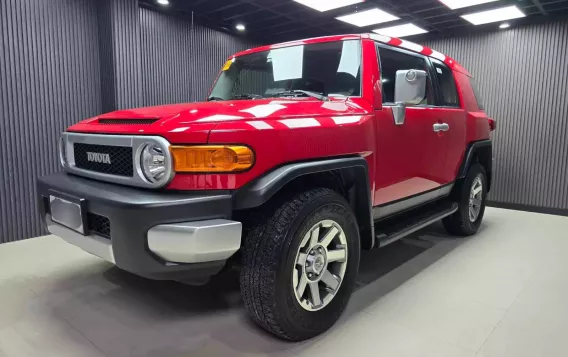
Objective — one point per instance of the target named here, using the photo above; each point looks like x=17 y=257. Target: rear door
x=411 y=157
x=449 y=111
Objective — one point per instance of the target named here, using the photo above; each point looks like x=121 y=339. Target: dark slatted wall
x=120 y=56
x=172 y=71
x=523 y=76
x=166 y=44
x=49 y=79
x=127 y=54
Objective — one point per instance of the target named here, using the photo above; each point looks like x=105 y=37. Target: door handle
x=441 y=127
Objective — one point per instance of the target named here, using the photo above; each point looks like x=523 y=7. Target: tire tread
x=265 y=240
x=458 y=223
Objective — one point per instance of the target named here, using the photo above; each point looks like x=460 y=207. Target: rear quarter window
x=477 y=94
x=447 y=84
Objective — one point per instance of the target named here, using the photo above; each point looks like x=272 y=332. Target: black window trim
x=431 y=72
x=439 y=98
x=414 y=54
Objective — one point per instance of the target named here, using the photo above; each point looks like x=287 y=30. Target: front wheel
x=300 y=263
x=472 y=195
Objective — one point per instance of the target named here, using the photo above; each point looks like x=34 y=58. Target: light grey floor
x=501 y=293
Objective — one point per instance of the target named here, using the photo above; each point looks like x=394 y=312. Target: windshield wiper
x=308 y=93
x=246 y=96
x=214 y=98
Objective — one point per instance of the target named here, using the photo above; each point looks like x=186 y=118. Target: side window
x=480 y=104
x=447 y=82
x=391 y=61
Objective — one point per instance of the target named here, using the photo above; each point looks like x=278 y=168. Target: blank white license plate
x=67 y=213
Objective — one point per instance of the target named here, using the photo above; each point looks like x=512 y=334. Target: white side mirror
x=410 y=86
x=409 y=89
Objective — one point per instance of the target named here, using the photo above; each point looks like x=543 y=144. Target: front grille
x=127 y=121
x=120 y=159
x=99 y=224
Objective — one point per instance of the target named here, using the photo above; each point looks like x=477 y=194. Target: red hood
x=192 y=122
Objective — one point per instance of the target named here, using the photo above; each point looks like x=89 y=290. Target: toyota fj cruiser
x=304 y=154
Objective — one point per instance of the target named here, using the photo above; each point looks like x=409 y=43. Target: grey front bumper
x=159 y=235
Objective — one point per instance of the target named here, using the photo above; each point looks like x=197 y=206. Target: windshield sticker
x=228 y=64
x=350 y=58
x=287 y=63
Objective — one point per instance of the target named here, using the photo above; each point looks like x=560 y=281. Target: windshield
x=316 y=70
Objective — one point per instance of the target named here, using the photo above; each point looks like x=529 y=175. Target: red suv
x=304 y=154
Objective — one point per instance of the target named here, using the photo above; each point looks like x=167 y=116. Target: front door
x=411 y=156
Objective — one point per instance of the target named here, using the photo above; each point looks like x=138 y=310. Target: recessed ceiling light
x=485 y=17
x=368 y=17
x=240 y=27
x=400 y=31
x=458 y=4
x=325 y=5
x=163 y=2
x=504 y=26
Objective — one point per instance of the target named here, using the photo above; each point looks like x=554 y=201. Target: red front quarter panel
x=280 y=141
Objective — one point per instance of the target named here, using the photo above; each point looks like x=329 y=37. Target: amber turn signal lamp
x=212 y=158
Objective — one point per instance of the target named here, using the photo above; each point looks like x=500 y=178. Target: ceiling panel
x=270 y=21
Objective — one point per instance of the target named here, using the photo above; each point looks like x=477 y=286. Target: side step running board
x=395 y=229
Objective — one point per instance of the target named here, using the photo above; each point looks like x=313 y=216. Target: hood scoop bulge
x=110 y=121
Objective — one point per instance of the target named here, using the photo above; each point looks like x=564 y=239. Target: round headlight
x=153 y=163
x=62 y=152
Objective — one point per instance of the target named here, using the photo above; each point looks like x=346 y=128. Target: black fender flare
x=262 y=189
x=475 y=149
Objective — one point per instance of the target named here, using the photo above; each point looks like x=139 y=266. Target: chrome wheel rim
x=475 y=199
x=320 y=265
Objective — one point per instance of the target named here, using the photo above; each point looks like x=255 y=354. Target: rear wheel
x=299 y=264
x=471 y=200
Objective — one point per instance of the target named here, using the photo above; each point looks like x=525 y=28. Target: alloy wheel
x=475 y=198
x=320 y=265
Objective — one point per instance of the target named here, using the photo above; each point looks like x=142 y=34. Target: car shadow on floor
x=384 y=270
x=118 y=311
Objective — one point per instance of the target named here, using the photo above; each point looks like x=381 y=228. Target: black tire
x=460 y=223
x=269 y=255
